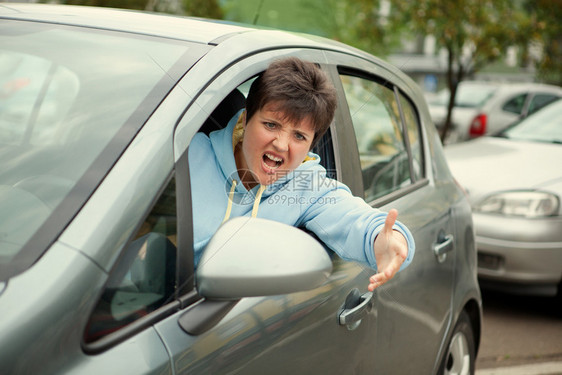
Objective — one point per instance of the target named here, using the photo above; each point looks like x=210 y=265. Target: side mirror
x=250 y=257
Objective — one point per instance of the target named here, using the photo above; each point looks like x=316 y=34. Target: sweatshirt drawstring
x=257 y=200
x=229 y=206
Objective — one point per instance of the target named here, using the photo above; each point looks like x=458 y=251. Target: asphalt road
x=520 y=332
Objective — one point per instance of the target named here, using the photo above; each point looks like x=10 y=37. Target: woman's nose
x=281 y=141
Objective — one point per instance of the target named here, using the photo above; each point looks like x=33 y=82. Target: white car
x=483 y=107
x=514 y=182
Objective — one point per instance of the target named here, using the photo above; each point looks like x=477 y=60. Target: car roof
x=141 y=22
x=190 y=29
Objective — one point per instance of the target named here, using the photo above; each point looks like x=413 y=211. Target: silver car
x=97 y=111
x=514 y=182
x=487 y=107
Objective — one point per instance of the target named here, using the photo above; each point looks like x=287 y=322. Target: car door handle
x=444 y=245
x=349 y=316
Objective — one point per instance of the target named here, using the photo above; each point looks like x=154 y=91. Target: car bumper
x=519 y=255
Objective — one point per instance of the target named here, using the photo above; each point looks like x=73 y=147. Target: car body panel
x=267 y=333
x=545 y=263
x=298 y=332
x=480 y=176
x=520 y=251
x=53 y=307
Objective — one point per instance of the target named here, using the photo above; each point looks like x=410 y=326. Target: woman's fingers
x=390 y=220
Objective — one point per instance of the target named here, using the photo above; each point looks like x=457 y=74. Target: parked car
x=514 y=182
x=96 y=259
x=483 y=107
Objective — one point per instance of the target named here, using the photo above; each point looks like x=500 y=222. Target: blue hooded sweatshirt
x=303 y=198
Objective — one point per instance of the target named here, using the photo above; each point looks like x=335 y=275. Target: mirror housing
x=250 y=257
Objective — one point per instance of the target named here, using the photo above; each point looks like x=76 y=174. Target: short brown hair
x=302 y=90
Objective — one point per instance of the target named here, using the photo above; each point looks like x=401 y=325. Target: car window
x=61 y=115
x=539 y=101
x=543 y=126
x=144 y=277
x=515 y=105
x=376 y=120
x=467 y=96
x=414 y=138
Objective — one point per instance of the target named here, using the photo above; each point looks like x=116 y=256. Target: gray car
x=515 y=185
x=97 y=111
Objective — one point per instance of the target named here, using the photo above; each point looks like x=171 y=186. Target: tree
x=473 y=32
x=545 y=16
x=359 y=23
x=364 y=25
x=203 y=8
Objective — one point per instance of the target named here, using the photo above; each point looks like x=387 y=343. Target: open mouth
x=272 y=161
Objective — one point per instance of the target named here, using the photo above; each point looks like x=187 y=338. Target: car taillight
x=478 y=125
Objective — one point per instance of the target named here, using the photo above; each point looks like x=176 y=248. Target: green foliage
x=203 y=8
x=354 y=22
x=474 y=32
x=545 y=22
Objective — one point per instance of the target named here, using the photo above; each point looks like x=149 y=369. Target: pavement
x=546 y=368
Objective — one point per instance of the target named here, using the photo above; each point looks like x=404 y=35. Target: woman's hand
x=391 y=249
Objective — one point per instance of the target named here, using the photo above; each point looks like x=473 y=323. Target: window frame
x=524 y=95
x=345 y=116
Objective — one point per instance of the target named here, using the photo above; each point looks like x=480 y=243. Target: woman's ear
x=244 y=118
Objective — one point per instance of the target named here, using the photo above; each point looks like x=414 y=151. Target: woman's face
x=272 y=146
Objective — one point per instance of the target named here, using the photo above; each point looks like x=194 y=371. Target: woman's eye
x=300 y=137
x=269 y=125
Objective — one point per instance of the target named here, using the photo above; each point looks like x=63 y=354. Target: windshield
x=467 y=96
x=543 y=126
x=65 y=92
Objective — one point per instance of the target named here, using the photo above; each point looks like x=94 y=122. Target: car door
x=381 y=141
x=299 y=332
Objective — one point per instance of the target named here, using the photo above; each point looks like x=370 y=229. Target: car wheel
x=460 y=356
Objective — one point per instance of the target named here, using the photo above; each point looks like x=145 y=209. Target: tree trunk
x=453 y=83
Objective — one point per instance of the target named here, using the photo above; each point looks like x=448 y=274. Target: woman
x=260 y=165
